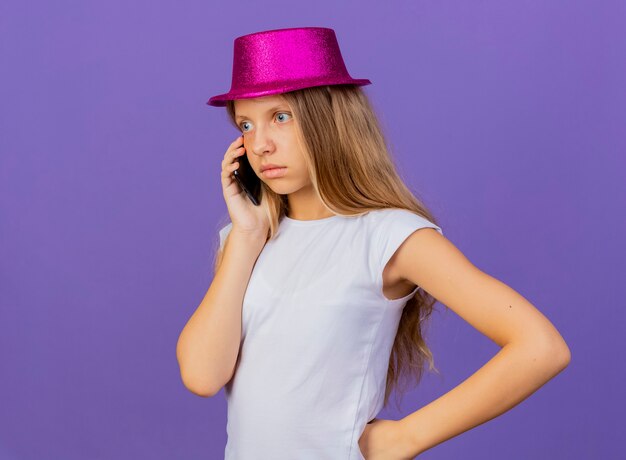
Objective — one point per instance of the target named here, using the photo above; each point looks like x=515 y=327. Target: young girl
x=321 y=290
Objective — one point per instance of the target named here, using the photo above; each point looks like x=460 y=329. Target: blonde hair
x=353 y=173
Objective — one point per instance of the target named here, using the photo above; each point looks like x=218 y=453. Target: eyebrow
x=276 y=107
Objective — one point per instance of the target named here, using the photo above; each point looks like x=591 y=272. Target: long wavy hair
x=352 y=173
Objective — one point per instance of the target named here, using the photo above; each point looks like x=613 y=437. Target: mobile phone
x=247 y=179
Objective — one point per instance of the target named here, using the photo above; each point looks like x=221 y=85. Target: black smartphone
x=247 y=179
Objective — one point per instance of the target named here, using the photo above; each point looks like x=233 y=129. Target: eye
x=243 y=129
x=284 y=113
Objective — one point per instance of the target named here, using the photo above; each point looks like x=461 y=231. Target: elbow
x=203 y=382
x=548 y=350
x=560 y=352
x=198 y=384
x=203 y=393
x=564 y=355
x=193 y=380
x=556 y=352
x=201 y=389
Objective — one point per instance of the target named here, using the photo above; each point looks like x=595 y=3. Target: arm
x=208 y=345
x=532 y=351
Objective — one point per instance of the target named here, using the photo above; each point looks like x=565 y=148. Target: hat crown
x=286 y=55
x=280 y=60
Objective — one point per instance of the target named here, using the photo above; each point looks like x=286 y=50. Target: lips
x=274 y=173
x=270 y=166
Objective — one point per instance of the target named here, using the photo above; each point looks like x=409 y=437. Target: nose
x=261 y=141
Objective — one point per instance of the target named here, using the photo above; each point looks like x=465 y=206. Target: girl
x=321 y=291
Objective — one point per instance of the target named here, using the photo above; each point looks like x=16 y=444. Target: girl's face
x=269 y=137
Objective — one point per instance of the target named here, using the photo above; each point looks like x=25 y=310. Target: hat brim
x=221 y=99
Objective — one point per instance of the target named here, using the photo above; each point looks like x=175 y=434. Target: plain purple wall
x=506 y=118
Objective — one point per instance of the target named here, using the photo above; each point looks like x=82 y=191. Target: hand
x=384 y=440
x=245 y=216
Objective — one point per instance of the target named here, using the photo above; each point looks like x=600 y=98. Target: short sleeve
x=395 y=226
x=224 y=233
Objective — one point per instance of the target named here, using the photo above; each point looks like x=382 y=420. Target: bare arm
x=208 y=345
x=532 y=350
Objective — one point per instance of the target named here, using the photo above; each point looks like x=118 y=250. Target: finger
x=227 y=176
x=234 y=154
x=228 y=169
x=231 y=152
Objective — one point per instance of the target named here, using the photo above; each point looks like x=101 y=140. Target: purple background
x=507 y=118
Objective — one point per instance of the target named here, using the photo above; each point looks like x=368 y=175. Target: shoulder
x=396 y=222
x=421 y=252
x=402 y=235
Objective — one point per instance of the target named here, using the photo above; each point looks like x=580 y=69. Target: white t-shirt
x=317 y=334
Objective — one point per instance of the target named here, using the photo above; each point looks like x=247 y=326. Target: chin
x=282 y=187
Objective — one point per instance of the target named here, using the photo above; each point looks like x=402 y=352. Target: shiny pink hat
x=281 y=60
